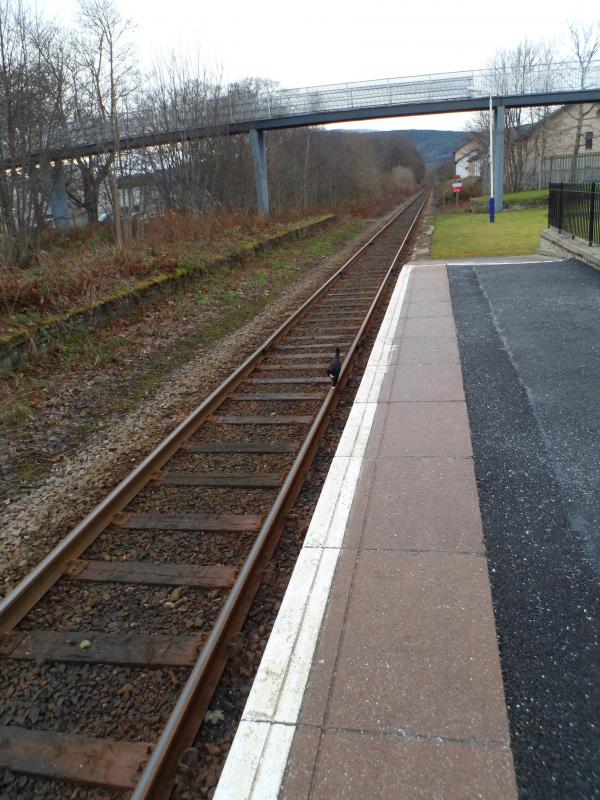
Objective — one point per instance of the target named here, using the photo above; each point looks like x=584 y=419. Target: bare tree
x=519 y=70
x=514 y=70
x=32 y=80
x=182 y=97
x=540 y=115
x=86 y=123
x=312 y=168
x=585 y=47
x=106 y=58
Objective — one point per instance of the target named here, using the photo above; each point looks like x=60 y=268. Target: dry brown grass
x=78 y=267
x=82 y=266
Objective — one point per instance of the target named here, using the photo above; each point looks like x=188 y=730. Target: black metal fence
x=575 y=208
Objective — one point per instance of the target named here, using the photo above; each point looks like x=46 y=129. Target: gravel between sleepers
x=118 y=609
x=117 y=544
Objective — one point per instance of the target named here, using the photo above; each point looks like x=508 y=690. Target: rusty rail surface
x=155 y=781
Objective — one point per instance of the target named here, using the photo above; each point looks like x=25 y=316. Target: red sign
x=457 y=186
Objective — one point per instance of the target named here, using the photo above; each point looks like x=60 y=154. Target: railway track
x=111 y=648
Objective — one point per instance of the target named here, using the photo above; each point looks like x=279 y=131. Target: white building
x=467 y=161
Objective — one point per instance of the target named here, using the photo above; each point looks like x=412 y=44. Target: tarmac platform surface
x=471 y=452
x=529 y=341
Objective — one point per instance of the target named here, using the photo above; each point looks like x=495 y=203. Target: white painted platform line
x=547 y=260
x=256 y=762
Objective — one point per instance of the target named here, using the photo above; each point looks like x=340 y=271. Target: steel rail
x=35 y=584
x=181 y=727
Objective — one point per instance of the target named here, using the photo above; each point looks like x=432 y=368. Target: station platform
x=382 y=676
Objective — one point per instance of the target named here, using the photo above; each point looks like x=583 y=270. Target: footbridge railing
x=249 y=110
x=542 y=79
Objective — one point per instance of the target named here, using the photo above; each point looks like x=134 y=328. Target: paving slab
x=428 y=327
x=424 y=429
x=400 y=514
x=419 y=651
x=426 y=351
x=426 y=382
x=428 y=308
x=436 y=294
x=355 y=764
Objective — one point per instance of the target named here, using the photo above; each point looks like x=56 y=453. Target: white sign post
x=457 y=187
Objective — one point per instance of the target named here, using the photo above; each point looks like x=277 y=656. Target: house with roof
x=568 y=144
x=564 y=145
x=467 y=160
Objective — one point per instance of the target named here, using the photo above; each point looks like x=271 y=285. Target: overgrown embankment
x=76 y=291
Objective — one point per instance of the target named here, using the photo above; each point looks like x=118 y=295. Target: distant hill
x=435 y=146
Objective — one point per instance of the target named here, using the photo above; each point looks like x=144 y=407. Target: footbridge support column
x=499 y=157
x=259 y=157
x=58 y=199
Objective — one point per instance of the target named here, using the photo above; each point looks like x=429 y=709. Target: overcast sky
x=315 y=42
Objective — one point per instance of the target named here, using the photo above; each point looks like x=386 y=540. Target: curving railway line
x=129 y=619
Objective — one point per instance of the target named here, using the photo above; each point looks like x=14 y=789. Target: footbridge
x=443 y=93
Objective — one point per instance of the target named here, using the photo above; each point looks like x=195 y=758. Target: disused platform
x=382 y=676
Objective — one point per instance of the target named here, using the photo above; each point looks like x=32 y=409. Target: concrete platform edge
x=563 y=245
x=257 y=759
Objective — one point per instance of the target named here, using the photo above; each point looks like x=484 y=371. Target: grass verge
x=532 y=198
x=468 y=235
